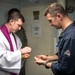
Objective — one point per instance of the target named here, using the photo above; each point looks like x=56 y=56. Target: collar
x=67 y=29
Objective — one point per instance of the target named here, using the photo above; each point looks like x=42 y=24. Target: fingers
x=35 y=58
x=26 y=50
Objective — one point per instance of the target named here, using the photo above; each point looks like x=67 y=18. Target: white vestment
x=10 y=62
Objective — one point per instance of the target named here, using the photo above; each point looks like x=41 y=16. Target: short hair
x=13 y=10
x=15 y=14
x=55 y=8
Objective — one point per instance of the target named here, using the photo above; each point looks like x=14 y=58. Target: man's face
x=16 y=25
x=54 y=21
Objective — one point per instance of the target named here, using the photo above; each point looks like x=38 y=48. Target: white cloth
x=9 y=61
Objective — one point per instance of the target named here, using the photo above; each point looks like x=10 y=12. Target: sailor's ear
x=59 y=16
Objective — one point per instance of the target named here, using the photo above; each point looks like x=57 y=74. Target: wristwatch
x=46 y=66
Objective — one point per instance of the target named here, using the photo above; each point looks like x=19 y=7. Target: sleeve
x=9 y=61
x=66 y=63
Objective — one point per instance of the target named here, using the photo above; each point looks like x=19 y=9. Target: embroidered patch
x=67 y=52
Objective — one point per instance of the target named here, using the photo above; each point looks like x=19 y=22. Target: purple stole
x=6 y=34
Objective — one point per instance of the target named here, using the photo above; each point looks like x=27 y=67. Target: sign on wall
x=36 y=30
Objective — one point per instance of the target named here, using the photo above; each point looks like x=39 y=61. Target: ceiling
x=29 y=2
x=36 y=1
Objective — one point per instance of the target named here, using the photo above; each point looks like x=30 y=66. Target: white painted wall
x=41 y=45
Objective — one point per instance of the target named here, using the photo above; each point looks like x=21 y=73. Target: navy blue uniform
x=66 y=53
